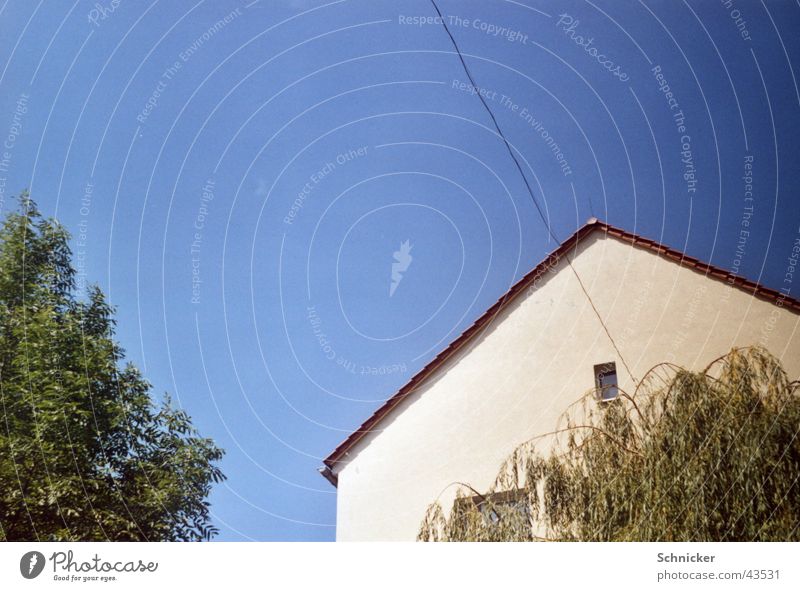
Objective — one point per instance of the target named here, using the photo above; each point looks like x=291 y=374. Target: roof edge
x=328 y=475
x=592 y=224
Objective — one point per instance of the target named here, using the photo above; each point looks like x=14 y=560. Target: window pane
x=609 y=386
x=606 y=380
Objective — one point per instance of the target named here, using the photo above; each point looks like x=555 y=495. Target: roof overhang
x=338 y=457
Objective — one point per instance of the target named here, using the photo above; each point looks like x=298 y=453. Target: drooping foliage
x=689 y=456
x=85 y=454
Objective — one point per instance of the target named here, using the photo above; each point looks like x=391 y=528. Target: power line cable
x=527 y=185
x=496 y=125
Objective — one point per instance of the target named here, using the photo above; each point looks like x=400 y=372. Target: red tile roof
x=751 y=287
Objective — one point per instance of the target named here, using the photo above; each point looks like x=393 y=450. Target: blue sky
x=238 y=176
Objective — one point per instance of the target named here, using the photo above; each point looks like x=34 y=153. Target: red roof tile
x=755 y=289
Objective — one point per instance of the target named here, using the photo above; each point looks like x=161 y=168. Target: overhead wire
x=547 y=225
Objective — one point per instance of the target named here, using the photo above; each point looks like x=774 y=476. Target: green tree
x=85 y=454
x=689 y=456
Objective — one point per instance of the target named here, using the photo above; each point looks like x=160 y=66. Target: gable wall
x=514 y=380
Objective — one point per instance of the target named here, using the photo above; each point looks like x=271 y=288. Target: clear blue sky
x=239 y=189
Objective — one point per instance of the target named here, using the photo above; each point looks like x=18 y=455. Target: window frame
x=517 y=496
x=602 y=370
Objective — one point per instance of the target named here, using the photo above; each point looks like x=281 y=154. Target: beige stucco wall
x=515 y=380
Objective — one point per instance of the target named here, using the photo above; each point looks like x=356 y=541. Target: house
x=514 y=372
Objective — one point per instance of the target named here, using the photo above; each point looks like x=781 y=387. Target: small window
x=605 y=380
x=494 y=506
